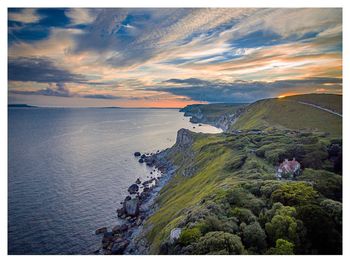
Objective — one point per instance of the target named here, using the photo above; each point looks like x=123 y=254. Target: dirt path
x=322 y=108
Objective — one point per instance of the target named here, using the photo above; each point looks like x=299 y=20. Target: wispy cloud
x=132 y=53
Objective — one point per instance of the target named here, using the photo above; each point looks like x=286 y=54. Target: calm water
x=70 y=168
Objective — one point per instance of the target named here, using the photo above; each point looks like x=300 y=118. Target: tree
x=294 y=193
x=254 y=237
x=282 y=226
x=219 y=242
x=283 y=247
x=334 y=209
x=322 y=233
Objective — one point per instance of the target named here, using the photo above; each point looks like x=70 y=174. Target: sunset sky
x=171 y=57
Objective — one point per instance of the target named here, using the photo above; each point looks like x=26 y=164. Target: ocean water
x=69 y=169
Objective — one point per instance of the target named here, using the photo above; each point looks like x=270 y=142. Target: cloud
x=79 y=16
x=26 y=15
x=60 y=90
x=42 y=70
x=179 y=52
x=242 y=91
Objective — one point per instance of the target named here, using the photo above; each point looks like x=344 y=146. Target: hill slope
x=289 y=113
x=225 y=190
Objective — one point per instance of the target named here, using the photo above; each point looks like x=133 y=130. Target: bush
x=268 y=187
x=334 y=209
x=282 y=226
x=283 y=247
x=189 y=236
x=244 y=215
x=219 y=243
x=212 y=223
x=254 y=237
x=327 y=183
x=322 y=234
x=294 y=193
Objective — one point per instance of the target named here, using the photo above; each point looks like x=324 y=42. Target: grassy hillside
x=287 y=113
x=329 y=101
x=229 y=201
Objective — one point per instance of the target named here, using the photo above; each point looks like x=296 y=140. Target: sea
x=69 y=169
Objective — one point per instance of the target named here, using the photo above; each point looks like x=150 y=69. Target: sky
x=171 y=57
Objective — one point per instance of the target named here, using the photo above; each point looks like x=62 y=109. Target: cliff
x=218 y=115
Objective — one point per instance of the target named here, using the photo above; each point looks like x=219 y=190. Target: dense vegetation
x=226 y=199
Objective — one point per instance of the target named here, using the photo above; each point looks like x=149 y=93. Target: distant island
x=20 y=105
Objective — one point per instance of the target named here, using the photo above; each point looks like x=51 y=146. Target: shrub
x=334 y=209
x=282 y=226
x=254 y=237
x=327 y=183
x=243 y=215
x=212 y=223
x=322 y=235
x=219 y=243
x=294 y=193
x=189 y=236
x=283 y=247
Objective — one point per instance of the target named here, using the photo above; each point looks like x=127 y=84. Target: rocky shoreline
x=137 y=207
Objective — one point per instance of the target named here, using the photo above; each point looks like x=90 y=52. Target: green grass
x=288 y=114
x=329 y=101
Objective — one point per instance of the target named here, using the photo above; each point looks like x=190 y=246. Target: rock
x=138 y=221
x=146 y=189
x=175 y=234
x=107 y=239
x=143 y=156
x=101 y=230
x=119 y=229
x=133 y=189
x=137 y=154
x=141 y=160
x=132 y=207
x=121 y=211
x=138 y=181
x=119 y=247
x=127 y=198
x=144 y=195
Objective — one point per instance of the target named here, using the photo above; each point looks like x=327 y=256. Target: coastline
x=126 y=238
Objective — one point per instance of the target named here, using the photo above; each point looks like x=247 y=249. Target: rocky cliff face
x=184 y=138
x=224 y=121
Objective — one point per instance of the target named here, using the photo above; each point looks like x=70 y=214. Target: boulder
x=138 y=181
x=119 y=246
x=121 y=211
x=141 y=160
x=101 y=230
x=174 y=234
x=133 y=189
x=119 y=229
x=107 y=239
x=127 y=198
x=137 y=154
x=132 y=207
